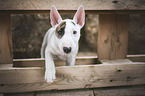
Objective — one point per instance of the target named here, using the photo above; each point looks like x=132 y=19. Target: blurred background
x=28 y=32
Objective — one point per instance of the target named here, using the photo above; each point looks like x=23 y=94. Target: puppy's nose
x=67 y=49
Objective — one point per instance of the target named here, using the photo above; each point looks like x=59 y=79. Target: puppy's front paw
x=50 y=76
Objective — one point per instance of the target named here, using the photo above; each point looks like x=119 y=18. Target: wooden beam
x=138 y=90
x=137 y=58
x=86 y=92
x=72 y=4
x=6 y=53
x=7 y=12
x=39 y=62
x=89 y=60
x=91 y=6
x=113 y=36
x=84 y=76
x=21 y=94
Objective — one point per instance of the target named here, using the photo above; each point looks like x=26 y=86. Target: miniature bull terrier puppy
x=61 y=40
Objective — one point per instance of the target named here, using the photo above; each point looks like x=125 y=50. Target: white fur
x=53 y=46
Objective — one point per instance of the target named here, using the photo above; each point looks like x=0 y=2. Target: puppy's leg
x=70 y=62
x=50 y=67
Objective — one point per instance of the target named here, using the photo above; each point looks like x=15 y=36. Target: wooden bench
x=115 y=69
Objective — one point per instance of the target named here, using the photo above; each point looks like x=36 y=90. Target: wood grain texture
x=121 y=91
x=5 y=40
x=112 y=36
x=137 y=58
x=67 y=93
x=39 y=62
x=84 y=76
x=7 y=12
x=138 y=90
x=72 y=4
x=20 y=94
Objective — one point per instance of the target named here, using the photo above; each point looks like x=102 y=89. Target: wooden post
x=5 y=40
x=113 y=36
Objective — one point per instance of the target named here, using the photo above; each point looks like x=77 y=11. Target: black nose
x=67 y=49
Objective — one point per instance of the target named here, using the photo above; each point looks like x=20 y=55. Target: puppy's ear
x=54 y=16
x=79 y=17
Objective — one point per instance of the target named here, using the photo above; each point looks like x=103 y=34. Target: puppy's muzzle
x=67 y=49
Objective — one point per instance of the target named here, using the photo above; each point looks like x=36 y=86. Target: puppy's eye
x=74 y=32
x=60 y=32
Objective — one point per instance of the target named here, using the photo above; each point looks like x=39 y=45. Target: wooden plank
x=5 y=40
x=88 y=60
x=67 y=93
x=137 y=58
x=72 y=4
x=7 y=12
x=112 y=36
x=121 y=91
x=117 y=61
x=6 y=66
x=20 y=94
x=90 y=76
x=39 y=62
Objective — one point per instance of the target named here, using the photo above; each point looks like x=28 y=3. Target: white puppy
x=61 y=40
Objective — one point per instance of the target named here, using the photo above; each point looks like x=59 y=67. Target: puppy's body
x=61 y=41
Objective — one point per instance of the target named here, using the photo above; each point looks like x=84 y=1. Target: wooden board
x=39 y=62
x=20 y=94
x=89 y=60
x=136 y=58
x=67 y=93
x=84 y=76
x=72 y=4
x=7 y=12
x=138 y=90
x=91 y=6
x=112 y=36
x=121 y=91
x=6 y=53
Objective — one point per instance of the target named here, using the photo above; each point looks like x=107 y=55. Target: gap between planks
x=88 y=60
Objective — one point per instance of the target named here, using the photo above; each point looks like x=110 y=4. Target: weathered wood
x=67 y=93
x=72 y=12
x=136 y=58
x=91 y=6
x=84 y=76
x=91 y=60
x=117 y=61
x=39 y=62
x=121 y=91
x=72 y=4
x=5 y=40
x=20 y=94
x=6 y=66
x=112 y=36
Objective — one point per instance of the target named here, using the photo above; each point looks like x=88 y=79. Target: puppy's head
x=67 y=31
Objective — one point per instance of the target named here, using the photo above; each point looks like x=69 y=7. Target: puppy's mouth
x=64 y=53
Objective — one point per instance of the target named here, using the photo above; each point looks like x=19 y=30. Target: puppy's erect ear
x=54 y=16
x=79 y=17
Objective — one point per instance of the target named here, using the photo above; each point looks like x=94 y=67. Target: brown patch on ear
x=60 y=29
